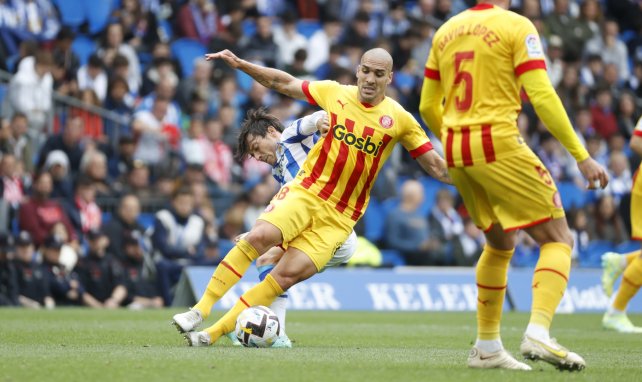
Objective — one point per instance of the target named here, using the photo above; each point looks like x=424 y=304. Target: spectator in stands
x=358 y=33
x=321 y=40
x=38 y=18
x=445 y=225
x=620 y=179
x=11 y=187
x=33 y=281
x=634 y=83
x=57 y=164
x=93 y=166
x=297 y=68
x=100 y=274
x=603 y=115
x=140 y=25
x=137 y=182
x=113 y=45
x=39 y=213
x=178 y=239
x=572 y=93
x=69 y=141
x=92 y=122
x=229 y=38
x=198 y=20
x=395 y=23
x=93 y=76
x=17 y=141
x=611 y=48
x=64 y=285
x=66 y=61
x=259 y=193
x=122 y=159
x=574 y=34
x=261 y=46
x=627 y=115
x=85 y=215
x=8 y=273
x=468 y=246
x=578 y=222
x=154 y=131
x=141 y=291
x=554 y=63
x=606 y=223
x=407 y=229
x=166 y=89
x=424 y=12
x=122 y=224
x=199 y=83
x=30 y=91
x=219 y=159
x=288 y=39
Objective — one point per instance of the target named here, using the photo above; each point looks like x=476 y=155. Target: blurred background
x=117 y=137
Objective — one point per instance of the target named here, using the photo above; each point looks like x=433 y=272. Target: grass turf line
x=98 y=345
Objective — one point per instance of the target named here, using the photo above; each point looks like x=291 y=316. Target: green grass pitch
x=94 y=345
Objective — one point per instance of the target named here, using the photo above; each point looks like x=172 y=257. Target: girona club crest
x=386 y=121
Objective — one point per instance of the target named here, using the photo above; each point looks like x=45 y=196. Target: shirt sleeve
x=320 y=92
x=432 y=66
x=308 y=124
x=528 y=53
x=412 y=136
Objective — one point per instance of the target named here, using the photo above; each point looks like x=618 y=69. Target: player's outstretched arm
x=274 y=79
x=430 y=106
x=435 y=166
x=550 y=110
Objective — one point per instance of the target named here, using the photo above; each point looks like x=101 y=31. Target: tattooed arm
x=435 y=166
x=274 y=79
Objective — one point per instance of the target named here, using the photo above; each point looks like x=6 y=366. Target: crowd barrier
x=404 y=289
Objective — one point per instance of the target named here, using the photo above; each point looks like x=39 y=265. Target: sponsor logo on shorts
x=557 y=200
x=386 y=121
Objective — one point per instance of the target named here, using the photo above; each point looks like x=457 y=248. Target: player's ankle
x=489 y=346
x=537 y=332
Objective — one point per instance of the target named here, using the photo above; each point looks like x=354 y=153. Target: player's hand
x=323 y=125
x=225 y=55
x=594 y=173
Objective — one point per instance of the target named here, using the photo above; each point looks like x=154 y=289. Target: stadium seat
x=627 y=246
x=572 y=196
x=146 y=220
x=185 y=50
x=390 y=257
x=98 y=14
x=249 y=27
x=374 y=221
x=591 y=257
x=72 y=12
x=308 y=27
x=84 y=47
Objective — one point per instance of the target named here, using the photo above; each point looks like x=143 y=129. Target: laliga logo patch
x=386 y=121
x=269 y=208
x=533 y=46
x=557 y=200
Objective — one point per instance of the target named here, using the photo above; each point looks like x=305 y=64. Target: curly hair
x=255 y=124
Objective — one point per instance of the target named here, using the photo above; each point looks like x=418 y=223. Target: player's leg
x=613 y=264
x=550 y=279
x=265 y=263
x=263 y=236
x=615 y=317
x=295 y=266
x=491 y=277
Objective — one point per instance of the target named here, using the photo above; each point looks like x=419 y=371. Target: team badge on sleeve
x=386 y=121
x=533 y=46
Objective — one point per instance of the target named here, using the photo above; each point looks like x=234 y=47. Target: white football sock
x=537 y=332
x=489 y=346
x=279 y=307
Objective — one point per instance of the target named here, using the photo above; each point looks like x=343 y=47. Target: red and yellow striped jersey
x=342 y=167
x=478 y=56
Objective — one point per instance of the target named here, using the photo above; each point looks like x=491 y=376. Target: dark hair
x=255 y=124
x=95 y=61
x=120 y=60
x=180 y=191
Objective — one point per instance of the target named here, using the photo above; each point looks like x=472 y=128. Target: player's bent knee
x=285 y=281
x=263 y=237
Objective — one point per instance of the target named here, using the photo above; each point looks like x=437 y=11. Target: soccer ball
x=257 y=327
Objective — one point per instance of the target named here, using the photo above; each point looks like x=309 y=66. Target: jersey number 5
x=463 y=104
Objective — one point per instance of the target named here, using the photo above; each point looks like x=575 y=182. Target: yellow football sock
x=549 y=282
x=491 y=288
x=632 y=256
x=227 y=273
x=263 y=293
x=631 y=282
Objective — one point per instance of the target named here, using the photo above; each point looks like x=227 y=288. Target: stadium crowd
x=102 y=213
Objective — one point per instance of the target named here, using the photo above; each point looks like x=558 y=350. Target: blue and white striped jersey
x=296 y=141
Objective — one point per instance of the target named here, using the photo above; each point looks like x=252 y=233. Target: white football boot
x=188 y=321
x=479 y=359
x=197 y=339
x=612 y=268
x=552 y=352
x=619 y=322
